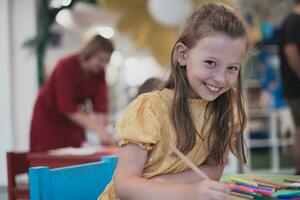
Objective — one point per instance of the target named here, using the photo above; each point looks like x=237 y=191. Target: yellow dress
x=147 y=123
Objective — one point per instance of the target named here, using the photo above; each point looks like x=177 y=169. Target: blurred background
x=35 y=34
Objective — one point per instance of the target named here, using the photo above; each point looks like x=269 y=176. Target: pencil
x=257 y=187
x=277 y=185
x=291 y=180
x=201 y=174
x=241 y=195
x=239 y=180
x=189 y=163
x=267 y=185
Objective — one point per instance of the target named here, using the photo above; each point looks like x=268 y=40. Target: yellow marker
x=243 y=181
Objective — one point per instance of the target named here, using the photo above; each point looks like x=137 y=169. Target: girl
x=198 y=110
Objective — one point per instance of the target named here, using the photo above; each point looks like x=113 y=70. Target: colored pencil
x=241 y=195
x=291 y=180
x=258 y=190
x=239 y=180
x=189 y=163
x=257 y=187
x=235 y=191
x=277 y=185
x=267 y=185
x=240 y=187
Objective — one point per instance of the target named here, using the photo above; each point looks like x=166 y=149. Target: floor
x=3 y=193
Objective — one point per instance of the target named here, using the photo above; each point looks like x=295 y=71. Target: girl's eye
x=233 y=69
x=211 y=63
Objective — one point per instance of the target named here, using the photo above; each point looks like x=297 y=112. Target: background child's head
x=149 y=85
x=209 y=21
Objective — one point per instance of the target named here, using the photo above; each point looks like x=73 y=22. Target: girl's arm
x=130 y=185
x=212 y=170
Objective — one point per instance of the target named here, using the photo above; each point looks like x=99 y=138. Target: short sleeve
x=64 y=89
x=140 y=123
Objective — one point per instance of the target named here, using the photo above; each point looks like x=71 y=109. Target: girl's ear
x=181 y=53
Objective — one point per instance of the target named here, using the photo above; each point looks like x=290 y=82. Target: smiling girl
x=199 y=109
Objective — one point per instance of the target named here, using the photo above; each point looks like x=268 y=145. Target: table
x=278 y=178
x=69 y=156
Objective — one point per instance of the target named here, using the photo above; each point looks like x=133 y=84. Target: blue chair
x=82 y=182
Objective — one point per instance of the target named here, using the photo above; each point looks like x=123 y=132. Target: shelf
x=258 y=113
x=257 y=143
x=252 y=83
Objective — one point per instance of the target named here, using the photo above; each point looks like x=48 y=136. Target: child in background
x=198 y=109
x=148 y=85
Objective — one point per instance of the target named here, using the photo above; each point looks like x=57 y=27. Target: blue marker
x=256 y=187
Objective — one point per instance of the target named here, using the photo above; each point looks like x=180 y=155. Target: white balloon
x=170 y=12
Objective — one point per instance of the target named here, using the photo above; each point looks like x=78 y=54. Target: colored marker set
x=261 y=189
x=257 y=189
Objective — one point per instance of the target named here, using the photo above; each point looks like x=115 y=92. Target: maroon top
x=67 y=88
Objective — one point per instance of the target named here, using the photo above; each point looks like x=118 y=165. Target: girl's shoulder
x=156 y=97
x=156 y=102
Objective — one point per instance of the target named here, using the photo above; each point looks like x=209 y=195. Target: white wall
x=18 y=84
x=70 y=43
x=5 y=92
x=24 y=72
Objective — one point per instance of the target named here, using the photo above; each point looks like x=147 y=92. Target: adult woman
x=76 y=85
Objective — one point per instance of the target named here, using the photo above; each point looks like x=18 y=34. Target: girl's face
x=212 y=65
x=97 y=62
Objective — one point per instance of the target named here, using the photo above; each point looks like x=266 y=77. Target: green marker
x=287 y=194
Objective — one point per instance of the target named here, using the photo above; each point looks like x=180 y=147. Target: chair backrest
x=17 y=163
x=85 y=181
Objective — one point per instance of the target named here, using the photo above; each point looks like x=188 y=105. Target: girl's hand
x=209 y=190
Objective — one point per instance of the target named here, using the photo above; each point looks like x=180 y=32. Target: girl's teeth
x=213 y=88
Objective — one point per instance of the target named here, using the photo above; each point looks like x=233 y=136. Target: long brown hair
x=208 y=19
x=95 y=45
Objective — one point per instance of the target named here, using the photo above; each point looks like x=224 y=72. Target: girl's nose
x=219 y=77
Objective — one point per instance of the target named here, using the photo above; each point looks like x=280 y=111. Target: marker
x=292 y=185
x=287 y=194
x=257 y=187
x=238 y=180
x=241 y=188
x=254 y=195
x=264 y=192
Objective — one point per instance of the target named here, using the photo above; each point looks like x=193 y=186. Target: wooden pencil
x=291 y=180
x=241 y=195
x=267 y=185
x=201 y=174
x=189 y=163
x=277 y=185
